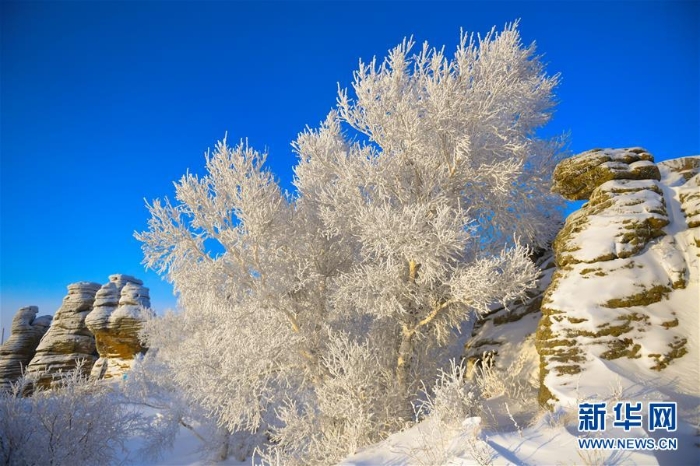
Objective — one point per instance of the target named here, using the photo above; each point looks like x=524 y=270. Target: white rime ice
x=416 y=202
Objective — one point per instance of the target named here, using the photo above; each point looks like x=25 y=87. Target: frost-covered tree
x=80 y=422
x=149 y=385
x=415 y=204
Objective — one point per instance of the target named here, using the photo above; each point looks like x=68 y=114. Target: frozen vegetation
x=418 y=299
x=617 y=336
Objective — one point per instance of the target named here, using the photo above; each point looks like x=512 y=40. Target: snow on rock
x=121 y=306
x=94 y=324
x=617 y=319
x=506 y=333
x=19 y=349
x=623 y=303
x=575 y=178
x=690 y=201
x=68 y=340
x=618 y=221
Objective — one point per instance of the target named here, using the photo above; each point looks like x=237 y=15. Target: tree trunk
x=406 y=350
x=403 y=364
x=403 y=370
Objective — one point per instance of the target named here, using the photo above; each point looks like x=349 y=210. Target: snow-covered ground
x=510 y=431
x=187 y=451
x=552 y=438
x=545 y=443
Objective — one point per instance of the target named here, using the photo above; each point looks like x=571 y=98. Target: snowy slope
x=600 y=271
x=629 y=311
x=628 y=261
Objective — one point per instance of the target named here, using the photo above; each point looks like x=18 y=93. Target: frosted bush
x=510 y=382
x=452 y=399
x=80 y=422
x=353 y=404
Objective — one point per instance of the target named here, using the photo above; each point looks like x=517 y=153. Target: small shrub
x=81 y=422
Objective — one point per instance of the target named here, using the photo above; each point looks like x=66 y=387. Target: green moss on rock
x=622 y=347
x=670 y=323
x=576 y=178
x=678 y=350
x=643 y=298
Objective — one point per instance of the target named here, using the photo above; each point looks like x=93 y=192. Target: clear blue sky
x=104 y=104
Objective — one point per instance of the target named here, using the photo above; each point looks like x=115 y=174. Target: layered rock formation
x=624 y=262
x=120 y=308
x=683 y=175
x=504 y=333
x=68 y=340
x=577 y=177
x=94 y=324
x=20 y=347
x=619 y=318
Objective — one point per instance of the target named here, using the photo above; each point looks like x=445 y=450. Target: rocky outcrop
x=121 y=306
x=68 y=340
x=684 y=175
x=618 y=221
x=619 y=259
x=577 y=177
x=508 y=331
x=20 y=347
x=94 y=324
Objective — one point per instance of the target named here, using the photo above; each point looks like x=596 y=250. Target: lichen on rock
x=618 y=263
x=575 y=178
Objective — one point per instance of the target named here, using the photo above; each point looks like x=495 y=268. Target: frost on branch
x=415 y=203
x=79 y=422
